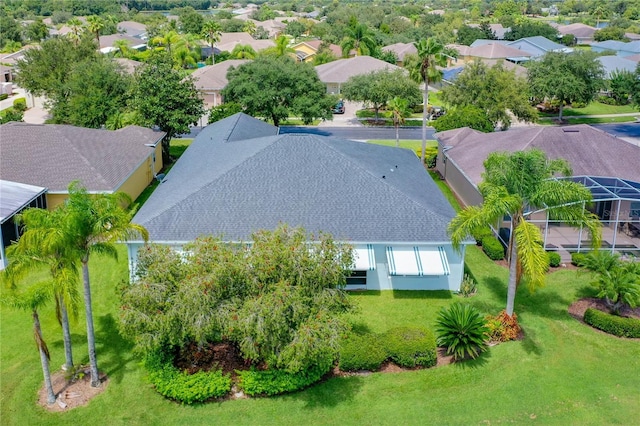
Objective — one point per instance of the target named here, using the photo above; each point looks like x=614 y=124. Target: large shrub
x=554 y=259
x=362 y=352
x=411 y=346
x=613 y=324
x=20 y=104
x=493 y=248
x=462 y=330
x=274 y=382
x=481 y=233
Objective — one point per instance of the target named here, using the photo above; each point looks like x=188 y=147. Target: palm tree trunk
x=91 y=340
x=513 y=274
x=66 y=336
x=44 y=358
x=425 y=100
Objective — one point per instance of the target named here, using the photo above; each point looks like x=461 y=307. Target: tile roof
x=53 y=155
x=339 y=71
x=590 y=151
x=495 y=51
x=214 y=77
x=239 y=175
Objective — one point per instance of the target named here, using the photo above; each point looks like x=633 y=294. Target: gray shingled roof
x=15 y=196
x=52 y=155
x=214 y=77
x=590 y=151
x=339 y=71
x=231 y=182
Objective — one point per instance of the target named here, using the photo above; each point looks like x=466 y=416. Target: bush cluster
x=430 y=156
x=493 y=248
x=554 y=259
x=3 y=96
x=612 y=324
x=480 y=233
x=362 y=352
x=577 y=259
x=180 y=386
x=503 y=327
x=411 y=346
x=274 y=382
x=607 y=100
x=20 y=104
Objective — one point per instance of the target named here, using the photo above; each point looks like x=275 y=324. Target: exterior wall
x=53 y=200
x=459 y=184
x=211 y=98
x=143 y=176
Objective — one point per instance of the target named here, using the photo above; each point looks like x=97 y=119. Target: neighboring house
x=15 y=198
x=450 y=74
x=632 y=36
x=621 y=48
x=108 y=42
x=612 y=64
x=583 y=33
x=240 y=176
x=230 y=40
x=497 y=29
x=133 y=29
x=211 y=79
x=306 y=50
x=401 y=50
x=128 y=65
x=537 y=46
x=495 y=50
x=52 y=156
x=606 y=164
x=335 y=74
x=8 y=62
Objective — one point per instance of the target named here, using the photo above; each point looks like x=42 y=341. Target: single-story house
x=211 y=79
x=608 y=165
x=611 y=64
x=104 y=161
x=108 y=42
x=582 y=32
x=335 y=74
x=537 y=46
x=240 y=175
x=621 y=48
x=230 y=40
x=494 y=50
x=497 y=29
x=307 y=50
x=401 y=50
x=133 y=29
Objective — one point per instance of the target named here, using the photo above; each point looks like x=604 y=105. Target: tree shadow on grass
x=114 y=353
x=478 y=362
x=425 y=294
x=529 y=343
x=329 y=393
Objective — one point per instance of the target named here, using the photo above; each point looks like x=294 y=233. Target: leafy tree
x=224 y=110
x=11 y=115
x=568 y=40
x=530 y=28
x=359 y=38
x=466 y=116
x=190 y=21
x=243 y=51
x=600 y=11
x=566 y=77
x=249 y=27
x=514 y=185
x=93 y=224
x=494 y=90
x=635 y=94
x=263 y=13
x=425 y=71
x=622 y=85
x=281 y=48
x=37 y=31
x=467 y=35
x=211 y=32
x=488 y=32
x=31 y=301
x=388 y=56
x=10 y=29
x=43 y=244
x=295 y=28
x=260 y=34
x=166 y=99
x=275 y=87
x=399 y=111
x=617 y=281
x=95 y=24
x=610 y=33
x=379 y=87
x=324 y=56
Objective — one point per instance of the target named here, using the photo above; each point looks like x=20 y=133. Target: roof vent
x=570 y=130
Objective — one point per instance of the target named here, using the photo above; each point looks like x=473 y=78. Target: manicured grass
x=581 y=120
x=594 y=108
x=448 y=193
x=178 y=146
x=409 y=144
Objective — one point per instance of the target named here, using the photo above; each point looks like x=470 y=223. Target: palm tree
x=94 y=223
x=430 y=54
x=95 y=25
x=77 y=29
x=358 y=38
x=516 y=185
x=249 y=27
x=184 y=57
x=168 y=39
x=211 y=32
x=399 y=109
x=32 y=300
x=43 y=243
x=122 y=47
x=243 y=51
x=282 y=46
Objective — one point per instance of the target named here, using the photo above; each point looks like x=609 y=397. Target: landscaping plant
x=462 y=330
x=503 y=327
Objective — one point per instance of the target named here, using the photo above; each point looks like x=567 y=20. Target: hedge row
x=274 y=382
x=612 y=324
x=406 y=346
x=493 y=248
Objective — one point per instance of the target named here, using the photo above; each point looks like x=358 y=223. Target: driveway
x=348 y=119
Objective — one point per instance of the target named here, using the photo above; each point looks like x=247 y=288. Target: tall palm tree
x=431 y=56
x=399 y=109
x=282 y=46
x=44 y=244
x=515 y=185
x=95 y=25
x=31 y=300
x=358 y=38
x=249 y=27
x=122 y=47
x=167 y=40
x=94 y=224
x=211 y=32
x=243 y=51
x=77 y=29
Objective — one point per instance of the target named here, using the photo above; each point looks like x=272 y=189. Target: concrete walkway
x=35 y=114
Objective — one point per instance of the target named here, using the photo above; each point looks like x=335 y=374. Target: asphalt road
x=361 y=133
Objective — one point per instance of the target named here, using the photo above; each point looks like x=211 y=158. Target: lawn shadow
x=424 y=294
x=549 y=304
x=478 y=362
x=529 y=343
x=329 y=393
x=360 y=327
x=115 y=354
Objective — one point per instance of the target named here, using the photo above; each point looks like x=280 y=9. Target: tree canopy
x=494 y=90
x=277 y=87
x=466 y=116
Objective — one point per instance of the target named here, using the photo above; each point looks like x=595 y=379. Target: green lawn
x=409 y=144
x=547 y=121
x=595 y=108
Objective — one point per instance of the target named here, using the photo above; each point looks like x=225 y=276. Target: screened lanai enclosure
x=616 y=202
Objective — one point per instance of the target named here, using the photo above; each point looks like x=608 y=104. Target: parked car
x=339 y=107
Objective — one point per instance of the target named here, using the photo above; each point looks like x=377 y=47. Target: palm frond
x=531 y=254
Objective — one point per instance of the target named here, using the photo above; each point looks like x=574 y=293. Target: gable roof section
x=612 y=64
x=52 y=155
x=233 y=187
x=401 y=49
x=339 y=71
x=539 y=43
x=609 y=45
x=590 y=151
x=315 y=44
x=495 y=51
x=578 y=29
x=214 y=77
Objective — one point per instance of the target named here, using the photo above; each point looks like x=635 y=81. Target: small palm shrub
x=462 y=330
x=503 y=327
x=554 y=259
x=411 y=346
x=362 y=352
x=469 y=286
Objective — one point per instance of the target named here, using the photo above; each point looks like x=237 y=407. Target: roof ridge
x=59 y=128
x=537 y=133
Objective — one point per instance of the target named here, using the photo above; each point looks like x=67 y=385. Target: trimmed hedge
x=362 y=352
x=3 y=96
x=20 y=104
x=480 y=233
x=185 y=388
x=411 y=346
x=577 y=259
x=430 y=156
x=493 y=248
x=274 y=382
x=554 y=259
x=612 y=324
